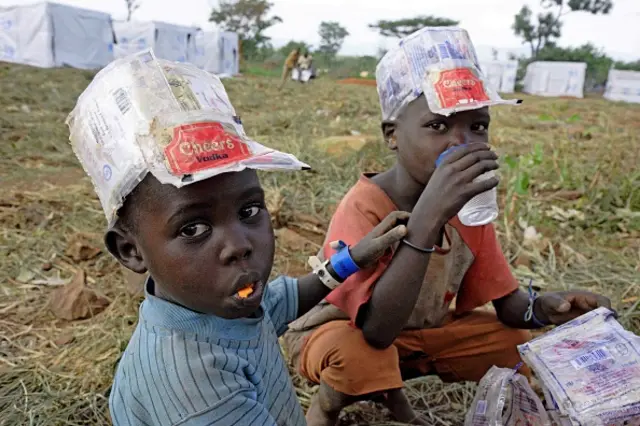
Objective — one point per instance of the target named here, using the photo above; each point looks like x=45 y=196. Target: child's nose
x=459 y=137
x=236 y=247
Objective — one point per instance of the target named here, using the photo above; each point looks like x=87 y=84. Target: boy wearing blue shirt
x=187 y=206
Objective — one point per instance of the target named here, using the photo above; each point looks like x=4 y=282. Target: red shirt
x=470 y=267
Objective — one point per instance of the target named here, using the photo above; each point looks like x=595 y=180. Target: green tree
x=293 y=44
x=548 y=27
x=249 y=19
x=332 y=35
x=630 y=66
x=404 y=27
x=132 y=6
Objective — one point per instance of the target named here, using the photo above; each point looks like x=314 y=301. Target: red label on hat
x=202 y=146
x=458 y=87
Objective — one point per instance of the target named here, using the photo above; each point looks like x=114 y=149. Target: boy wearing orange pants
x=397 y=320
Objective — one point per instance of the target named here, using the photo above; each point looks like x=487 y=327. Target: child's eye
x=437 y=126
x=250 y=211
x=194 y=230
x=480 y=127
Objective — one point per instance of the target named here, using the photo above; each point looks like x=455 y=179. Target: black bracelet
x=333 y=273
x=420 y=249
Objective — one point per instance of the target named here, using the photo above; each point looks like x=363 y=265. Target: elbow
x=375 y=338
x=501 y=315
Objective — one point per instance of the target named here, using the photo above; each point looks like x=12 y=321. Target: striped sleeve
x=281 y=302
x=237 y=409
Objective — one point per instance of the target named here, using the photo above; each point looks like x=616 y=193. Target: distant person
x=289 y=64
x=305 y=65
x=417 y=313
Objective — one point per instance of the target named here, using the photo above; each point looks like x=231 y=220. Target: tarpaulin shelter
x=555 y=79
x=501 y=74
x=623 y=86
x=168 y=41
x=55 y=35
x=217 y=52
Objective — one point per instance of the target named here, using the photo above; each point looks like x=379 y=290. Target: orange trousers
x=462 y=349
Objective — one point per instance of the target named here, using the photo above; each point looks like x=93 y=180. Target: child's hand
x=388 y=232
x=558 y=308
x=451 y=186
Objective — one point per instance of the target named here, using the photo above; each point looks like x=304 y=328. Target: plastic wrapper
x=505 y=398
x=439 y=62
x=142 y=115
x=589 y=369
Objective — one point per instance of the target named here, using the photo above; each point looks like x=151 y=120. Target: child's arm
x=552 y=308
x=312 y=290
x=395 y=293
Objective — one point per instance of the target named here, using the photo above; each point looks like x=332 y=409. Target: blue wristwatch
x=338 y=268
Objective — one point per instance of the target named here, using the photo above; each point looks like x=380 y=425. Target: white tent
x=623 y=86
x=216 y=52
x=168 y=41
x=501 y=74
x=55 y=35
x=555 y=79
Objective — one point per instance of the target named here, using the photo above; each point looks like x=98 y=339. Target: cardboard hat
x=439 y=63
x=144 y=115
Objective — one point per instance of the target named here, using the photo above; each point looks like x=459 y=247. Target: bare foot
x=316 y=416
x=326 y=406
x=398 y=403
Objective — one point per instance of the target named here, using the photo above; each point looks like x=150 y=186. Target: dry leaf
x=531 y=236
x=562 y=215
x=52 y=282
x=522 y=260
x=75 y=301
x=293 y=241
x=569 y=252
x=567 y=195
x=64 y=338
x=339 y=145
x=25 y=276
x=80 y=248
x=301 y=217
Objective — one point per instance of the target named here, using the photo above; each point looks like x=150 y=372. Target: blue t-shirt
x=186 y=368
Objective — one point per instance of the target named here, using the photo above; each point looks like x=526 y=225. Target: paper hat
x=439 y=62
x=144 y=115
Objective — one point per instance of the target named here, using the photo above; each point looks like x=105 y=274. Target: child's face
x=421 y=136
x=202 y=243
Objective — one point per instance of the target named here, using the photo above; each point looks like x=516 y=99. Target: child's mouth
x=245 y=291
x=248 y=290
x=250 y=294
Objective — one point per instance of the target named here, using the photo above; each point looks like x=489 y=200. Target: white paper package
x=439 y=62
x=505 y=398
x=142 y=115
x=590 y=370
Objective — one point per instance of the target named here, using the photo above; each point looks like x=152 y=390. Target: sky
x=488 y=21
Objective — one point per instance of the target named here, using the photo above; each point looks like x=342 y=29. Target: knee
x=516 y=337
x=358 y=355
x=338 y=354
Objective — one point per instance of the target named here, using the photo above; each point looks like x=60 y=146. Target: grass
x=569 y=170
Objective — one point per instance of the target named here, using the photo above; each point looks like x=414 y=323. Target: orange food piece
x=245 y=292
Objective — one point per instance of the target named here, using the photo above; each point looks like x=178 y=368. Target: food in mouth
x=244 y=292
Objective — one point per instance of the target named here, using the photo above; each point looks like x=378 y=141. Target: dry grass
x=579 y=157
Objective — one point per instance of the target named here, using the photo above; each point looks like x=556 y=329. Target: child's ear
x=123 y=247
x=389 y=133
